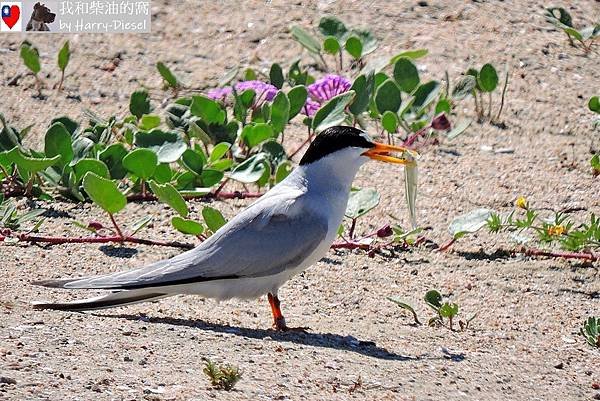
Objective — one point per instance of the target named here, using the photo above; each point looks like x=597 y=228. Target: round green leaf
x=297 y=97
x=31 y=57
x=433 y=299
x=113 y=156
x=594 y=104
x=332 y=26
x=388 y=97
x=488 y=78
x=331 y=45
x=167 y=193
x=443 y=105
x=280 y=112
x=58 y=142
x=167 y=75
x=255 y=134
x=186 y=226
x=333 y=112
x=219 y=151
x=361 y=202
x=139 y=103
x=283 y=170
x=389 y=121
x=354 y=46
x=363 y=87
x=94 y=165
x=168 y=146
x=425 y=94
x=305 y=39
x=104 y=193
x=406 y=74
x=210 y=177
x=163 y=173
x=149 y=121
x=141 y=162
x=193 y=161
x=208 y=110
x=213 y=218
x=276 y=76
x=250 y=170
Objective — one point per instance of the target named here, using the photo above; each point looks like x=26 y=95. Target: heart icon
x=10 y=15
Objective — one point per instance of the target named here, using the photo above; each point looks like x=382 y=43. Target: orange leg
x=278 y=319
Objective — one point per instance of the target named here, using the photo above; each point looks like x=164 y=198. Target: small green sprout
x=561 y=19
x=64 y=55
x=591 y=331
x=221 y=377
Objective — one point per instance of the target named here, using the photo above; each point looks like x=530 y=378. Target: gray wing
x=267 y=238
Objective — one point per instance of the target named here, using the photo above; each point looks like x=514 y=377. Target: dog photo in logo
x=40 y=18
x=11 y=16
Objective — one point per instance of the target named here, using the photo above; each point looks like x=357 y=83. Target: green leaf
x=186 y=226
x=595 y=162
x=470 y=222
x=488 y=78
x=306 y=39
x=333 y=112
x=332 y=26
x=193 y=161
x=31 y=57
x=276 y=76
x=58 y=142
x=354 y=46
x=197 y=132
x=389 y=121
x=168 y=145
x=70 y=124
x=213 y=218
x=219 y=151
x=250 y=170
x=407 y=307
x=459 y=129
x=406 y=74
x=141 y=162
x=369 y=42
x=574 y=33
x=283 y=170
x=331 y=45
x=464 y=87
x=139 y=103
x=64 y=55
x=443 y=106
x=411 y=54
x=425 y=94
x=167 y=75
x=562 y=19
x=139 y=224
x=211 y=177
x=363 y=87
x=149 y=121
x=249 y=75
x=104 y=193
x=210 y=111
x=388 y=97
x=434 y=299
x=297 y=97
x=113 y=156
x=280 y=112
x=167 y=193
x=30 y=164
x=94 y=165
x=448 y=310
x=594 y=104
x=163 y=173
x=255 y=134
x=361 y=202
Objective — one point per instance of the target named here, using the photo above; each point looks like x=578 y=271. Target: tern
x=289 y=228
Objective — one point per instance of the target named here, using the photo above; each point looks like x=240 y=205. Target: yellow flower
x=556 y=230
x=521 y=202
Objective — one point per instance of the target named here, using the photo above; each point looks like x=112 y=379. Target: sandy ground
x=524 y=344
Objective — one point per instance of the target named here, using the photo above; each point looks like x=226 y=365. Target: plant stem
x=490 y=106
x=306 y=142
x=446 y=245
x=476 y=103
x=62 y=78
x=503 y=94
x=352 y=227
x=119 y=233
x=97 y=240
x=592 y=257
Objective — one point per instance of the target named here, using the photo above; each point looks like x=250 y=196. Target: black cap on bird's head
x=340 y=137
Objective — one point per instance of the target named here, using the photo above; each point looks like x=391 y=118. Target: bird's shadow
x=328 y=340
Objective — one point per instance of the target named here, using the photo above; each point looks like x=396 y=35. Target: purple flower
x=219 y=93
x=324 y=89
x=264 y=91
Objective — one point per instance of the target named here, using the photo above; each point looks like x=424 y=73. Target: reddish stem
x=446 y=245
x=98 y=240
x=350 y=245
x=592 y=257
x=112 y=218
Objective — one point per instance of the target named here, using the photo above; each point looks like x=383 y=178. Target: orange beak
x=383 y=152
